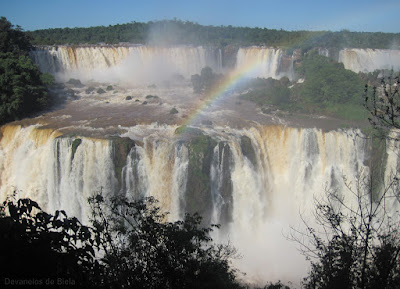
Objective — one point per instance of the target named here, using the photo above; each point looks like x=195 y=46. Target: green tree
x=268 y=91
x=143 y=250
x=327 y=81
x=383 y=103
x=205 y=81
x=207 y=78
x=12 y=39
x=37 y=246
x=22 y=87
x=196 y=83
x=129 y=245
x=354 y=245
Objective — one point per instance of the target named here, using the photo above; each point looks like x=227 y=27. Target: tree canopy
x=205 y=81
x=129 y=244
x=22 y=86
x=354 y=245
x=36 y=246
x=383 y=104
x=12 y=39
x=143 y=250
x=327 y=81
x=322 y=86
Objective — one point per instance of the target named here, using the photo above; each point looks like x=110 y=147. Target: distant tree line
x=186 y=32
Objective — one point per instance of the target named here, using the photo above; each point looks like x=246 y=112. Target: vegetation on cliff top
x=326 y=88
x=322 y=87
x=186 y=32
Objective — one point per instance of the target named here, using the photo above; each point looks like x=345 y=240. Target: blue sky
x=355 y=15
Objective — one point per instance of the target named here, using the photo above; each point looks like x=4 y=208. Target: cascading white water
x=273 y=178
x=158 y=168
x=39 y=165
x=68 y=59
x=160 y=172
x=217 y=179
x=144 y=64
x=369 y=60
x=263 y=62
x=289 y=168
x=132 y=64
x=267 y=62
x=392 y=170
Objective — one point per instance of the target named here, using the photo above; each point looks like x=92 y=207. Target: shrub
x=135 y=247
x=75 y=145
x=40 y=246
x=354 y=246
x=173 y=111
x=90 y=89
x=152 y=253
x=75 y=82
x=151 y=96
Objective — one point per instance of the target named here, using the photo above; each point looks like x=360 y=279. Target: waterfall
x=41 y=165
x=145 y=64
x=369 y=60
x=255 y=181
x=221 y=184
x=264 y=62
x=125 y=63
x=61 y=59
x=392 y=170
x=293 y=166
x=272 y=62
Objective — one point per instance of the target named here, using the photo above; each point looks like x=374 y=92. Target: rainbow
x=221 y=90
x=231 y=80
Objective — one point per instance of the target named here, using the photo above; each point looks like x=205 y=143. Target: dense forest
x=23 y=89
x=186 y=32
